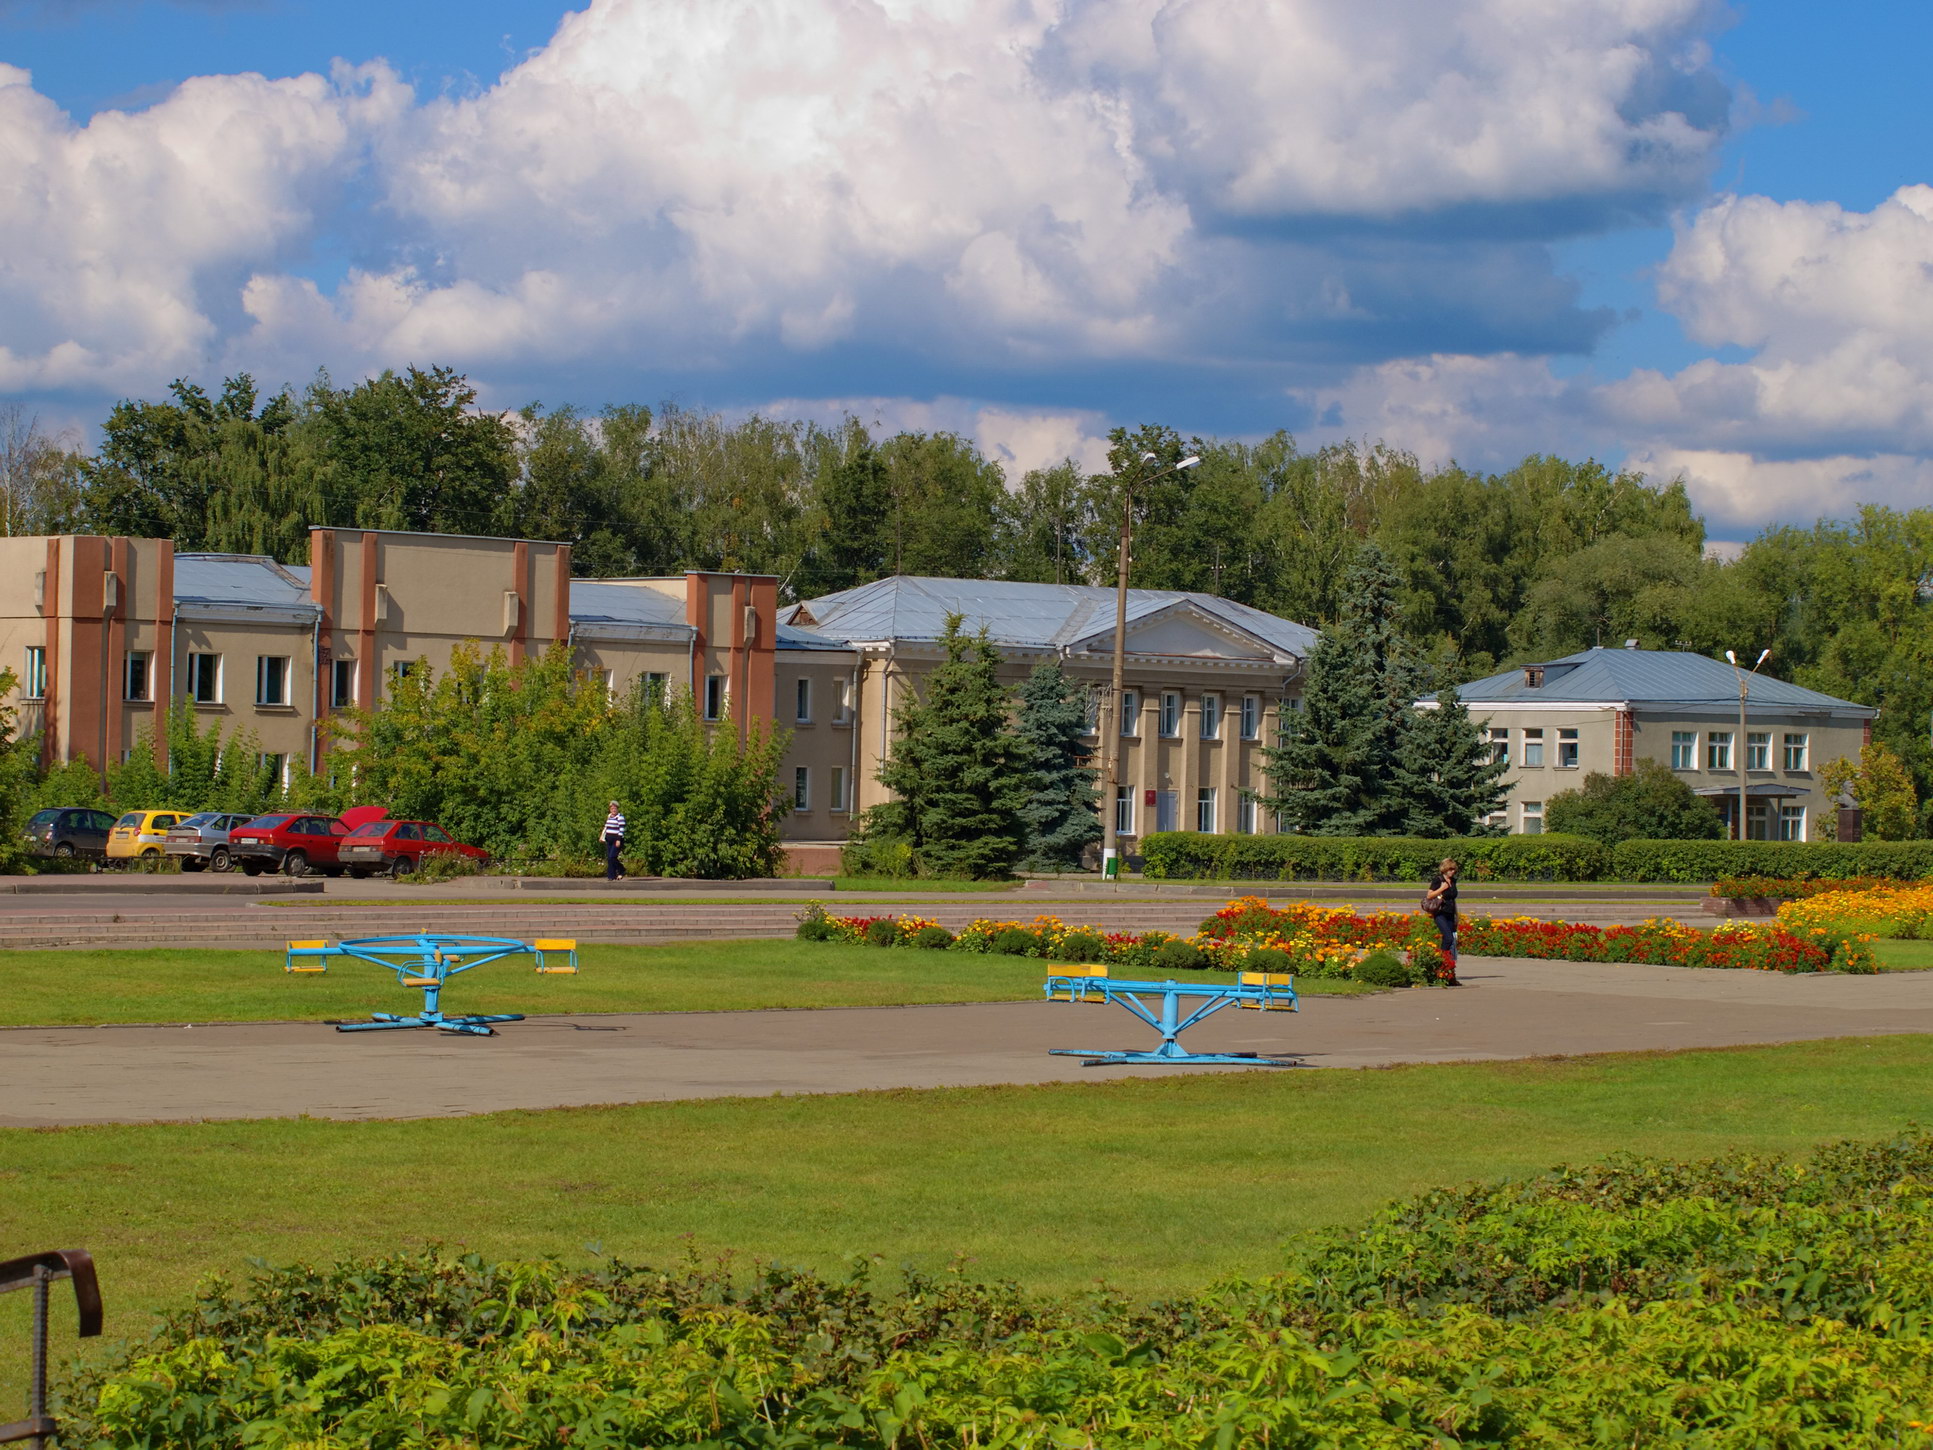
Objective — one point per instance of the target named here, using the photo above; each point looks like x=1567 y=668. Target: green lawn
x=1904 y=956
x=51 y=988
x=1152 y=1185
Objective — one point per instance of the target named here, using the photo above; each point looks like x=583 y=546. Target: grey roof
x=1649 y=677
x=1039 y=616
x=253 y=580
x=597 y=603
x=790 y=636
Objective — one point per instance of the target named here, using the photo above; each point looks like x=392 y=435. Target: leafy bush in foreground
x=1741 y=1301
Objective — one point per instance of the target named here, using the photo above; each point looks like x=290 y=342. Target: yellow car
x=142 y=835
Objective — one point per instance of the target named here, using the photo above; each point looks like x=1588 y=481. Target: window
x=273 y=767
x=1130 y=712
x=801 y=788
x=402 y=670
x=714 y=696
x=1245 y=816
x=1211 y=717
x=842 y=703
x=1567 y=750
x=836 y=795
x=135 y=681
x=1533 y=818
x=1170 y=714
x=1251 y=717
x=1205 y=810
x=1533 y=747
x=1792 y=823
x=437 y=833
x=1757 y=825
x=204 y=679
x=657 y=686
x=36 y=681
x=1758 y=750
x=1123 y=810
x=1684 y=750
x=1091 y=705
x=802 y=702
x=342 y=683
x=1718 y=750
x=608 y=679
x=1499 y=746
x=271 y=680
x=1795 y=754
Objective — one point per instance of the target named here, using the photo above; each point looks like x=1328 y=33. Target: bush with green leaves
x=1194 y=855
x=1178 y=956
x=1652 y=802
x=1083 y=945
x=1383 y=969
x=882 y=932
x=1016 y=941
x=933 y=938
x=1813 y=860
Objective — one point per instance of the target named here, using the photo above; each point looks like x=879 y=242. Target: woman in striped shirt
x=613 y=843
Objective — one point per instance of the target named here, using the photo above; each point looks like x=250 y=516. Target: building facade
x=1604 y=710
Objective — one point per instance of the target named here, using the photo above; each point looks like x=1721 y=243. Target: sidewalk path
x=1512 y=1009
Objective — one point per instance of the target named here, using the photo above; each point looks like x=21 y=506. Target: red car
x=295 y=844
x=398 y=847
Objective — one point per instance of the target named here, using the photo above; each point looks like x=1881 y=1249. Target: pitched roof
x=594 y=603
x=1038 y=616
x=1649 y=677
x=250 y=580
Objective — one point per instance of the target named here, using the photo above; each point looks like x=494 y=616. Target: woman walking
x=1440 y=903
x=613 y=839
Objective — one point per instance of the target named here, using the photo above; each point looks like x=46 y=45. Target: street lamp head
x=1188 y=462
x=1730 y=658
x=1147 y=458
x=1763 y=656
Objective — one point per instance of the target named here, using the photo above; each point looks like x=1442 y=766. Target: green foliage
x=881 y=932
x=1178 y=956
x=139 y=784
x=1736 y=1302
x=16 y=777
x=1710 y=860
x=1882 y=789
x=1651 y=803
x=71 y=783
x=1384 y=969
x=959 y=774
x=1444 y=771
x=933 y=938
x=1015 y=941
x=1189 y=855
x=1082 y=945
x=1062 y=814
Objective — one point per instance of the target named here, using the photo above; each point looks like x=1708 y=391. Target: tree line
x=1489 y=569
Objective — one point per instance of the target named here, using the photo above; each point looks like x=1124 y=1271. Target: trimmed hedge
x=1806 y=860
x=1191 y=855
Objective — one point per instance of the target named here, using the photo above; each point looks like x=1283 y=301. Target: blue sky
x=1470 y=228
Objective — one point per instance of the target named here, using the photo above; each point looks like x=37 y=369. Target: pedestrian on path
x=1440 y=903
x=613 y=843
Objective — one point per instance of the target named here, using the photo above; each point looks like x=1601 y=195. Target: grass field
x=1904 y=956
x=1152 y=1185
x=56 y=988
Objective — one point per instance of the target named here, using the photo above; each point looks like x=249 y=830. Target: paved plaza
x=1510 y=1009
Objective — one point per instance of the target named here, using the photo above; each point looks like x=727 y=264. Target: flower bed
x=1773 y=947
x=1793 y=888
x=1893 y=909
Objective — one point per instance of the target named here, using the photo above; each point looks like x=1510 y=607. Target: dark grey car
x=201 y=841
x=69 y=831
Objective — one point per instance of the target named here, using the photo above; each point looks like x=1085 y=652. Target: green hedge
x=1805 y=860
x=1191 y=855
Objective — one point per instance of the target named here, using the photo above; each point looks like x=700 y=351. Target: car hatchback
x=292 y=844
x=202 y=841
x=142 y=835
x=66 y=832
x=395 y=848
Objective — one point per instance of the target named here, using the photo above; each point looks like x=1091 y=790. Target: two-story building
x=1606 y=709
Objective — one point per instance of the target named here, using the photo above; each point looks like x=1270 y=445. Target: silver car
x=202 y=840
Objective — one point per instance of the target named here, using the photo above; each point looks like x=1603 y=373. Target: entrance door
x=1167 y=810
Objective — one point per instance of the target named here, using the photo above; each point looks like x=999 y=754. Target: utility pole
x=1744 y=688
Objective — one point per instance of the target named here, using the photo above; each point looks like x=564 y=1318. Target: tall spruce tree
x=958 y=772
x=1444 y=770
x=1334 y=773
x=1064 y=813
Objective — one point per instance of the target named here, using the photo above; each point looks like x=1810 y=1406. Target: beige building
x=1604 y=710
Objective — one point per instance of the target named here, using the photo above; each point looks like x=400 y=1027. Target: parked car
x=398 y=847
x=295 y=844
x=66 y=832
x=142 y=835
x=201 y=841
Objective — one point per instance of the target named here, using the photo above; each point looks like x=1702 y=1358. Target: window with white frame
x=657 y=686
x=836 y=789
x=204 y=679
x=137 y=681
x=1795 y=758
x=1758 y=822
x=1251 y=717
x=1130 y=712
x=34 y=686
x=1567 y=749
x=1205 y=810
x=1091 y=712
x=1499 y=745
x=1791 y=823
x=801 y=788
x=1684 y=750
x=714 y=697
x=271 y=679
x=1533 y=818
x=802 y=702
x=842 y=702
x=342 y=683
x=1718 y=750
x=1124 y=810
x=1534 y=746
x=1245 y=815
x=273 y=767
x=1758 y=750
x=1170 y=714
x=1211 y=717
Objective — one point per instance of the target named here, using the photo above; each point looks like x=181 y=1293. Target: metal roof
x=1038 y=616
x=252 y=580
x=790 y=636
x=1649 y=677
x=596 y=603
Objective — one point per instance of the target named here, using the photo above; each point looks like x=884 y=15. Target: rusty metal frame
x=39 y=1272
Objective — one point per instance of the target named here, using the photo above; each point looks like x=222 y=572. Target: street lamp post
x=1111 y=742
x=1744 y=688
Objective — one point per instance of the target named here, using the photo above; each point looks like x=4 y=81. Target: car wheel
x=295 y=864
x=191 y=863
x=151 y=853
x=219 y=859
x=399 y=868
x=251 y=868
x=64 y=851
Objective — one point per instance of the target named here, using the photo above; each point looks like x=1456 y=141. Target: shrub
x=882 y=932
x=1191 y=855
x=445 y=866
x=1015 y=941
x=1651 y=803
x=1709 y=860
x=1083 y=946
x=933 y=938
x=1178 y=956
x=817 y=928
x=1383 y=969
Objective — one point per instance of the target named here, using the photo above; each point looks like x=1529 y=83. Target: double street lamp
x=1115 y=727
x=1744 y=689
